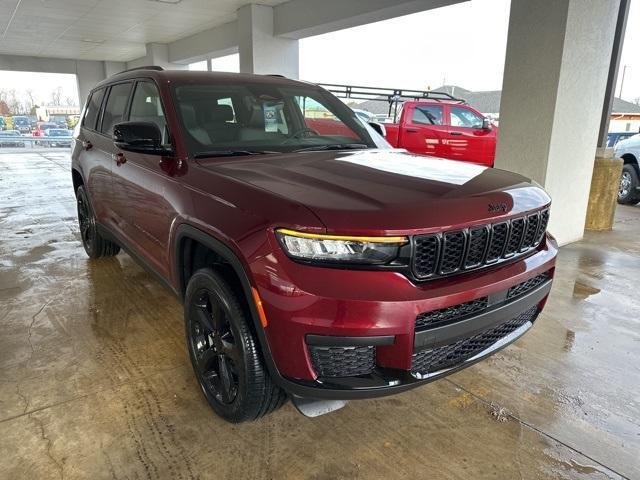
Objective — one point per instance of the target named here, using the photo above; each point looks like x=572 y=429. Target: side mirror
x=378 y=127
x=486 y=124
x=142 y=137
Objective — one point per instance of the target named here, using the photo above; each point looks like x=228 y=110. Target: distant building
x=45 y=112
x=624 y=118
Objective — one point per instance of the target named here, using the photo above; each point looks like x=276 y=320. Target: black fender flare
x=185 y=231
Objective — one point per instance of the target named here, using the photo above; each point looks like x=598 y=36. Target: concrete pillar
x=157 y=54
x=260 y=50
x=556 y=65
x=111 y=68
x=88 y=73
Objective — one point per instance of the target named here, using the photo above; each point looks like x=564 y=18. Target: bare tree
x=56 y=96
x=70 y=102
x=13 y=102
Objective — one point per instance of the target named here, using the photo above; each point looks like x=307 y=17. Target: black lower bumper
x=447 y=347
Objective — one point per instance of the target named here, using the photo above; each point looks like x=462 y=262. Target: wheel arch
x=184 y=244
x=77 y=179
x=630 y=159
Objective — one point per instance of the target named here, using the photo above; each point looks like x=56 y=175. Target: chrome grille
x=437 y=255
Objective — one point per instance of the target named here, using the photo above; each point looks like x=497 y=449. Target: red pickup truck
x=443 y=129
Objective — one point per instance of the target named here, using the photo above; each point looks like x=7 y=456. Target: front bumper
x=324 y=320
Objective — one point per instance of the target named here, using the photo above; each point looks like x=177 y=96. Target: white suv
x=629 y=151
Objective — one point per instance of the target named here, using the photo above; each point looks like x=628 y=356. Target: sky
x=418 y=51
x=407 y=52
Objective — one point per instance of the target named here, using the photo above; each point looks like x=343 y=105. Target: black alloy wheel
x=224 y=352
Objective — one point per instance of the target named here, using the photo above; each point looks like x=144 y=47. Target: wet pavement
x=95 y=380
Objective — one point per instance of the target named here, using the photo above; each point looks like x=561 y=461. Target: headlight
x=338 y=248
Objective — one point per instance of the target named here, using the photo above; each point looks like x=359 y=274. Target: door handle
x=411 y=130
x=119 y=158
x=455 y=133
x=87 y=145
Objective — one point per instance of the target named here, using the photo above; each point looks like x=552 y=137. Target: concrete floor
x=95 y=381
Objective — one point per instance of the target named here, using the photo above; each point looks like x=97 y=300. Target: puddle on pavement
x=583 y=291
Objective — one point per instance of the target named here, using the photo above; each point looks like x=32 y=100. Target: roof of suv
x=160 y=75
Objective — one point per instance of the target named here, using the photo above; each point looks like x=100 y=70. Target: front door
x=424 y=130
x=140 y=181
x=467 y=140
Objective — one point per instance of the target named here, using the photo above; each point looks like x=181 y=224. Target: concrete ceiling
x=106 y=29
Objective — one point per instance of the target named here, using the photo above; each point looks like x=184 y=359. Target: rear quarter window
x=93 y=109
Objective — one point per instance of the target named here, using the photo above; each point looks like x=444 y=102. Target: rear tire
x=94 y=244
x=224 y=353
x=628 y=193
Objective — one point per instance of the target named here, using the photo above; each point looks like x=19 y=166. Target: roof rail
x=391 y=95
x=157 y=68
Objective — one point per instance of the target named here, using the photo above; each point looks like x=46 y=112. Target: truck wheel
x=94 y=244
x=628 y=192
x=224 y=352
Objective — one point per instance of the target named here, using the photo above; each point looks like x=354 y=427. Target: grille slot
x=342 y=361
x=429 y=361
x=515 y=236
x=452 y=252
x=498 y=241
x=531 y=231
x=542 y=228
x=478 y=239
x=427 y=248
x=450 y=314
x=527 y=285
x=436 y=255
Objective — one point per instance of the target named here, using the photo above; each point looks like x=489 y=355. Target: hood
x=386 y=191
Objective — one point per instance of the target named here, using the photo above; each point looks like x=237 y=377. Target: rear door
x=95 y=166
x=467 y=140
x=143 y=185
x=423 y=130
x=113 y=112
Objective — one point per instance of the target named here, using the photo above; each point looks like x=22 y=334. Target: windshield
x=58 y=132
x=255 y=118
x=20 y=121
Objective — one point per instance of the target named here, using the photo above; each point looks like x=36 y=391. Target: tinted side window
x=115 y=107
x=427 y=115
x=93 y=108
x=462 y=117
x=146 y=107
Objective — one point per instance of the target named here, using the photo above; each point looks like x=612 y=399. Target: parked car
x=364 y=115
x=629 y=151
x=7 y=141
x=63 y=134
x=41 y=127
x=319 y=266
x=614 y=137
x=446 y=130
x=3 y=123
x=22 y=124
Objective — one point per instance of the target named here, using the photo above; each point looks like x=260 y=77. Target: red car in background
x=41 y=127
x=444 y=129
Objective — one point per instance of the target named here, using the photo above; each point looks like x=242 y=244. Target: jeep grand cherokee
x=313 y=261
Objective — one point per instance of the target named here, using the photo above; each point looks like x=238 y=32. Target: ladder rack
x=393 y=96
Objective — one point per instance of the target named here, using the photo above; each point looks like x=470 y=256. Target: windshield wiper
x=334 y=146
x=231 y=153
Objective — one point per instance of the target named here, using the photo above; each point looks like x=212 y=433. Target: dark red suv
x=313 y=261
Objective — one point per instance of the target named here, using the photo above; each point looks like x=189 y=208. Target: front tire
x=94 y=244
x=224 y=353
x=628 y=193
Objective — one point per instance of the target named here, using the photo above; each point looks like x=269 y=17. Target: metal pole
x=614 y=66
x=624 y=72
